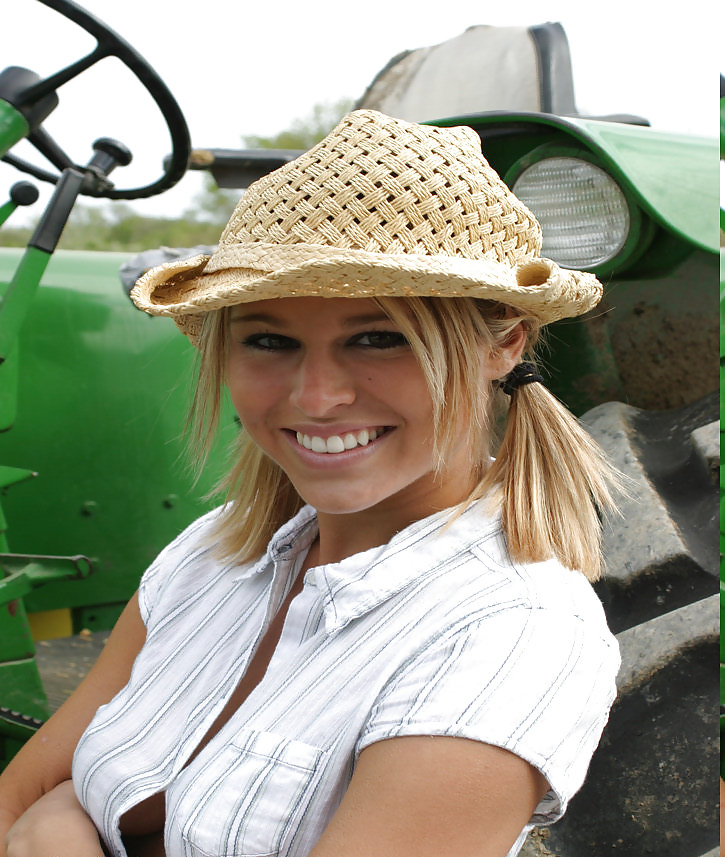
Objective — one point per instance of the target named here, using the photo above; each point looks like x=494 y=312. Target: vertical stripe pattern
x=435 y=633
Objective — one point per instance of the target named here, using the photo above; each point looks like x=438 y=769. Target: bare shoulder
x=422 y=796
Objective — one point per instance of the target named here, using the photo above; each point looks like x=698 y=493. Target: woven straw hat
x=380 y=207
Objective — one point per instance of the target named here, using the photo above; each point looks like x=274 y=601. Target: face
x=330 y=389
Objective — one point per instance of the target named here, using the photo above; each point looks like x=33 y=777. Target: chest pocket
x=245 y=801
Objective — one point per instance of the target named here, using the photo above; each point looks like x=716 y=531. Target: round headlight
x=582 y=211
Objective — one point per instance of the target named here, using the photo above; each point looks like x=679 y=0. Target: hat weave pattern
x=380 y=207
x=375 y=187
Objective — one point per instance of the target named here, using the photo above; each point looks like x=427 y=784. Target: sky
x=238 y=68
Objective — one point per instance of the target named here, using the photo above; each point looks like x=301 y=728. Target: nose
x=321 y=384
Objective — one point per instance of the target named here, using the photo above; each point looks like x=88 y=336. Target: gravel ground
x=536 y=844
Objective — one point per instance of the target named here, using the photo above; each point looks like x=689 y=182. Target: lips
x=336 y=443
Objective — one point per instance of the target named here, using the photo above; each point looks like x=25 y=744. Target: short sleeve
x=536 y=681
x=178 y=553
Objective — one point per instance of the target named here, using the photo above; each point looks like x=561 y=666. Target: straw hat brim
x=186 y=289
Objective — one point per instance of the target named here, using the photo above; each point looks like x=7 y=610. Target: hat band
x=274 y=258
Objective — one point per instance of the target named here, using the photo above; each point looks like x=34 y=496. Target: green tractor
x=93 y=396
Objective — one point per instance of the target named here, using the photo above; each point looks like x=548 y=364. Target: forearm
x=37 y=768
x=20 y=787
x=54 y=826
x=7 y=820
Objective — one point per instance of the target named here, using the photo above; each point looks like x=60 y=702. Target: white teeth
x=304 y=440
x=318 y=445
x=335 y=443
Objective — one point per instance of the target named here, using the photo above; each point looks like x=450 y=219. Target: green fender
x=673 y=177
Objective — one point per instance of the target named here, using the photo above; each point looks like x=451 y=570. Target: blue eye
x=270 y=342
x=381 y=339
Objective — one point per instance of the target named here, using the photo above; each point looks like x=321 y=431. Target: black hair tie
x=519 y=376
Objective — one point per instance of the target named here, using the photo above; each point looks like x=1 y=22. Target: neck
x=343 y=535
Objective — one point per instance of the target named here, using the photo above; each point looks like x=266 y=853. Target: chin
x=341 y=505
x=332 y=508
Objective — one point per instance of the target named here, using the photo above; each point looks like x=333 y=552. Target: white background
x=241 y=68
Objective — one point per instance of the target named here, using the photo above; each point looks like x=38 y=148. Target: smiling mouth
x=340 y=443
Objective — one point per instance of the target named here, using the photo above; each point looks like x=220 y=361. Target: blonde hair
x=550 y=478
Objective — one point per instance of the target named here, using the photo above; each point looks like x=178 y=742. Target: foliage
x=118 y=227
x=15 y=236
x=214 y=204
x=303 y=133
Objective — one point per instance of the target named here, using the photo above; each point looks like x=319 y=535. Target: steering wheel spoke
x=55 y=81
x=47 y=147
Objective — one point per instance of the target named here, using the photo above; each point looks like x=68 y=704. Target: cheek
x=409 y=396
x=252 y=393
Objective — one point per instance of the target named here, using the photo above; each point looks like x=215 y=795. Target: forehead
x=315 y=310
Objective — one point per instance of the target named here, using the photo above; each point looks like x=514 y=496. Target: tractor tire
x=653 y=784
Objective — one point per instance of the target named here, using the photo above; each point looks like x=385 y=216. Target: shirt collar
x=359 y=583
x=286 y=544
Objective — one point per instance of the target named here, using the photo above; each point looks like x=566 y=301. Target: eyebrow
x=265 y=318
x=255 y=317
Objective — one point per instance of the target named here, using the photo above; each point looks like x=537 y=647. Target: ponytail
x=555 y=482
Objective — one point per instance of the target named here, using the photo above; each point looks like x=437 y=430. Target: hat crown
x=380 y=207
x=380 y=184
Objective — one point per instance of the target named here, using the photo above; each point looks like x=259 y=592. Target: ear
x=498 y=365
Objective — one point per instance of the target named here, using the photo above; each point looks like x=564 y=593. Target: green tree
x=15 y=236
x=304 y=132
x=117 y=226
x=213 y=203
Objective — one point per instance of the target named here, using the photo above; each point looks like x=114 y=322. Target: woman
x=385 y=641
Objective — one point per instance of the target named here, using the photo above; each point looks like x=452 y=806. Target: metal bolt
x=90 y=507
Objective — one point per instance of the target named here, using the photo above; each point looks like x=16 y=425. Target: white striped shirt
x=435 y=633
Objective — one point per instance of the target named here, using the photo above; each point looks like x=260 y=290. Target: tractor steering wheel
x=108 y=43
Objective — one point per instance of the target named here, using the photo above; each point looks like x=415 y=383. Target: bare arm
x=428 y=796
x=45 y=760
x=54 y=826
